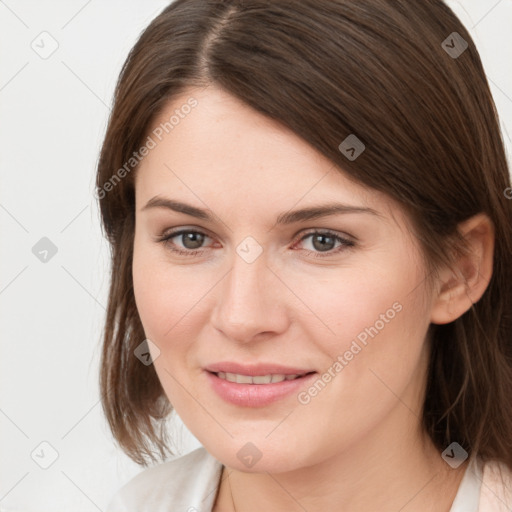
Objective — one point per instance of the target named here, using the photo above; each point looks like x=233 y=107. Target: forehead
x=223 y=149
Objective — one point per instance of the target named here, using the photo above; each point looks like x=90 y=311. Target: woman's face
x=254 y=288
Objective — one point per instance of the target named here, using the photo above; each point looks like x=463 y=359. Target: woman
x=311 y=261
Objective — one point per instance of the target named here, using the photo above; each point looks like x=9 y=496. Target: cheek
x=375 y=356
x=170 y=299
x=150 y=294
x=368 y=324
x=168 y=317
x=379 y=295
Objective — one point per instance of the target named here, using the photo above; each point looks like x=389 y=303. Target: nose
x=251 y=302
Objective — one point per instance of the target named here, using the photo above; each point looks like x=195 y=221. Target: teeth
x=262 y=379
x=257 y=379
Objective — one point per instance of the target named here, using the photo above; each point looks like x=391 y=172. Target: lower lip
x=256 y=395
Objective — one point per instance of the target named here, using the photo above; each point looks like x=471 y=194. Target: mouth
x=270 y=378
x=256 y=385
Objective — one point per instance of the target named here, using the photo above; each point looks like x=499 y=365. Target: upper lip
x=255 y=369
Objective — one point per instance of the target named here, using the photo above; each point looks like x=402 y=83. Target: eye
x=323 y=243
x=191 y=240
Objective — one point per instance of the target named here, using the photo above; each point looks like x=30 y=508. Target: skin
x=358 y=444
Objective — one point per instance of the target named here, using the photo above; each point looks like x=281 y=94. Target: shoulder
x=187 y=483
x=496 y=489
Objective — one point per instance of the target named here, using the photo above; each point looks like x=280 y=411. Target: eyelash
x=345 y=243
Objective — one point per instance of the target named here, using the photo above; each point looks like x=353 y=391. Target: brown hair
x=327 y=69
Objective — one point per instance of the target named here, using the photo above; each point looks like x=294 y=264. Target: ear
x=462 y=285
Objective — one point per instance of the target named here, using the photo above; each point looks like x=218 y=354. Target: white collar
x=468 y=495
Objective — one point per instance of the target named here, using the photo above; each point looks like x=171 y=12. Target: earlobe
x=465 y=282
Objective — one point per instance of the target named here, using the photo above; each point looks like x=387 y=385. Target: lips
x=256 y=385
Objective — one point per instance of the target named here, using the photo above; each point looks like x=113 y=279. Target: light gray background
x=53 y=114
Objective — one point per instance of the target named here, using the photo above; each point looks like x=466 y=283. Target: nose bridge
x=247 y=305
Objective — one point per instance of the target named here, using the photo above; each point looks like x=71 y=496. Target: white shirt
x=468 y=494
x=189 y=484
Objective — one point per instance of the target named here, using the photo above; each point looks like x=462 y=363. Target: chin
x=251 y=457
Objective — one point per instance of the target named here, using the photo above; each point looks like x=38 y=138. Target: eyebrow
x=289 y=217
